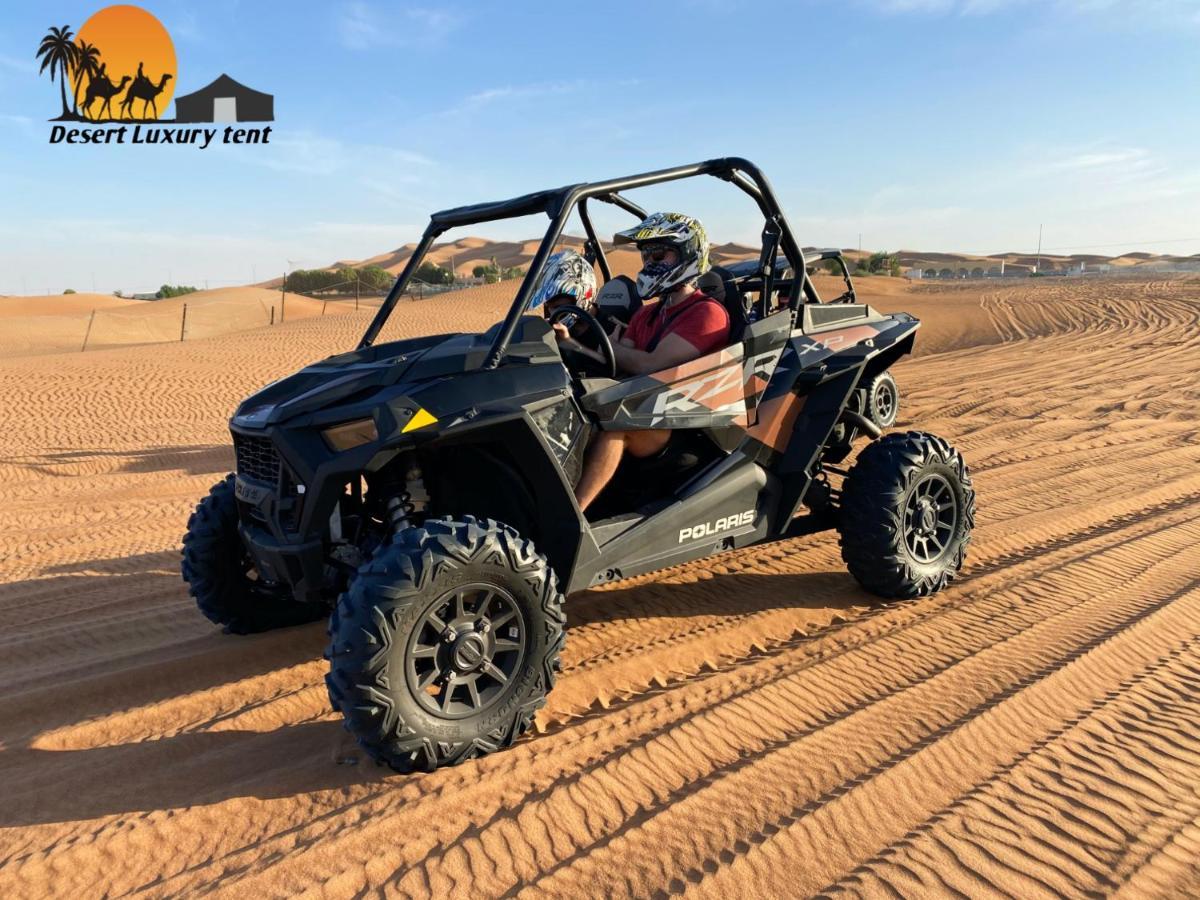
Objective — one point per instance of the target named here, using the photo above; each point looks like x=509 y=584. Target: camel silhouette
x=102 y=87
x=143 y=90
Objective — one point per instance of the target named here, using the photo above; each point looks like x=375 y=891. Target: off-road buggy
x=422 y=490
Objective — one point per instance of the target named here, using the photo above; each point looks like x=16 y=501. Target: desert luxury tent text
x=225 y=100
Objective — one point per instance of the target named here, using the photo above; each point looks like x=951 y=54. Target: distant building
x=225 y=100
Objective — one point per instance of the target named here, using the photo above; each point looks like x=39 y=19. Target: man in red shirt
x=683 y=325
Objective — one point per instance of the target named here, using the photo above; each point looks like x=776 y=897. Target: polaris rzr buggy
x=422 y=490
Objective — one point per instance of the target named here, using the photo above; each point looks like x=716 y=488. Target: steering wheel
x=605 y=345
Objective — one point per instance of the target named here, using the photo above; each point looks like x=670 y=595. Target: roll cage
x=558 y=204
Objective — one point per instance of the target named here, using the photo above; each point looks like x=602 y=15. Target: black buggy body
x=424 y=489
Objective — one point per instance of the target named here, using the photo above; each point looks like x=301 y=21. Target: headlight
x=349 y=435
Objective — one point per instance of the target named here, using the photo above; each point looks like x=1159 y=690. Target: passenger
x=683 y=325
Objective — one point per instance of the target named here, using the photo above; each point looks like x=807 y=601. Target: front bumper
x=301 y=566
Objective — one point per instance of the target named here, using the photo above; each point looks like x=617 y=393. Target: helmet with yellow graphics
x=663 y=230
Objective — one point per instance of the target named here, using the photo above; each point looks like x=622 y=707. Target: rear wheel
x=907 y=511
x=446 y=644
x=221 y=577
x=883 y=400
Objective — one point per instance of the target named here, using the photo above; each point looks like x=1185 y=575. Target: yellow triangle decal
x=419 y=420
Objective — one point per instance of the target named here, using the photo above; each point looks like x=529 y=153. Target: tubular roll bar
x=558 y=204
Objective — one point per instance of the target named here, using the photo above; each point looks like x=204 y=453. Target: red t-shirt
x=698 y=319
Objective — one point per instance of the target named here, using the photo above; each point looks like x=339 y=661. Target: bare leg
x=599 y=466
x=604 y=456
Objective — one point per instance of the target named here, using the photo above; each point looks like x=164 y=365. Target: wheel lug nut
x=485 y=626
x=451 y=635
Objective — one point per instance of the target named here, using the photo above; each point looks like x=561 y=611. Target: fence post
x=357 y=283
x=272 y=313
x=283 y=297
x=183 y=322
x=91 y=319
x=323 y=305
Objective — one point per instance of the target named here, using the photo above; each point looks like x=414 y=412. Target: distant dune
x=467 y=252
x=54 y=324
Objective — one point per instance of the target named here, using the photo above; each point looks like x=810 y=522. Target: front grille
x=256 y=458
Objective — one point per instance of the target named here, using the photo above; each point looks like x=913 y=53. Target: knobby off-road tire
x=883 y=400
x=417 y=639
x=221 y=577
x=907 y=510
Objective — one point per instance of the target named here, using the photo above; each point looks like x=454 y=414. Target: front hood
x=347 y=377
x=403 y=367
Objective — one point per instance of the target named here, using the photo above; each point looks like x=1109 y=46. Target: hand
x=561 y=332
x=615 y=334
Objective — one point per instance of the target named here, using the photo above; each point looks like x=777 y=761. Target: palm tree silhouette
x=87 y=62
x=58 y=51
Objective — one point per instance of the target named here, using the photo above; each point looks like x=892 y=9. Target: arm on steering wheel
x=606 y=355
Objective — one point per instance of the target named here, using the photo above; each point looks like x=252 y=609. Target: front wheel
x=446 y=644
x=221 y=576
x=907 y=511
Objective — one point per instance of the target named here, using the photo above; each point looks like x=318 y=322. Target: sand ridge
x=750 y=725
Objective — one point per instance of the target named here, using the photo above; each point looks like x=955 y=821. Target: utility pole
x=1038 y=265
x=860 y=242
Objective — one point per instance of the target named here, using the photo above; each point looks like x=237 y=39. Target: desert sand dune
x=753 y=725
x=37 y=325
x=61 y=305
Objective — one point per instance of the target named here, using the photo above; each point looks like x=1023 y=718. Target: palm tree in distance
x=58 y=51
x=87 y=62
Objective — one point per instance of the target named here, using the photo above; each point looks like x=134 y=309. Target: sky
x=951 y=125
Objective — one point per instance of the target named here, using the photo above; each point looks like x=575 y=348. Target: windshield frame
x=560 y=203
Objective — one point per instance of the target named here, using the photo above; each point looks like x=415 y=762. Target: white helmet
x=683 y=233
x=566 y=272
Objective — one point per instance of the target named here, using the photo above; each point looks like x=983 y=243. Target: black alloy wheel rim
x=930 y=518
x=465 y=651
x=885 y=402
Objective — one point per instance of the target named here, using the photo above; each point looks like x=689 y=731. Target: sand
x=751 y=725
x=55 y=324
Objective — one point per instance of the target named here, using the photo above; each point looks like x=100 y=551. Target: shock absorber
x=410 y=502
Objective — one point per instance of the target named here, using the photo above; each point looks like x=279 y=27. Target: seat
x=719 y=284
x=617 y=301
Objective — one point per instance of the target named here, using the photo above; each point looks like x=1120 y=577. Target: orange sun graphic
x=126 y=38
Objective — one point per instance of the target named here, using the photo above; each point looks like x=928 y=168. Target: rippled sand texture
x=747 y=726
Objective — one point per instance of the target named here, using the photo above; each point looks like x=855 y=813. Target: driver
x=567 y=280
x=684 y=324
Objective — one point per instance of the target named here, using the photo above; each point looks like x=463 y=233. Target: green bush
x=493 y=272
x=432 y=273
x=68 y=291
x=174 y=290
x=878 y=263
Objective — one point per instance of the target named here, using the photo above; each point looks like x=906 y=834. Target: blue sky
x=931 y=124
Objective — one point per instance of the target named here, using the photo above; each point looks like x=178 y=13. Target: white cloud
x=23 y=124
x=362 y=26
x=1144 y=12
x=17 y=64
x=512 y=93
x=311 y=153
